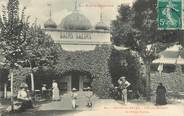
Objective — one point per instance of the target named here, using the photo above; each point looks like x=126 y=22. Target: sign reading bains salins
x=75 y=35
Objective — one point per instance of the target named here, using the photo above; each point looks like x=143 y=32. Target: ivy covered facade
x=86 y=55
x=95 y=63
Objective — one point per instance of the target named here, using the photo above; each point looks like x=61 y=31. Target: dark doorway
x=75 y=81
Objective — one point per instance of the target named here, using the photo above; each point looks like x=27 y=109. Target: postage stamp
x=169 y=14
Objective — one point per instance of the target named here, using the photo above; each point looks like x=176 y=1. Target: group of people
x=55 y=91
x=26 y=101
x=123 y=84
x=89 y=94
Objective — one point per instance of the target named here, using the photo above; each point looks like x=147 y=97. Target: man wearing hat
x=123 y=84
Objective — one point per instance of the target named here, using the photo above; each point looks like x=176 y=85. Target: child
x=44 y=91
x=89 y=95
x=74 y=98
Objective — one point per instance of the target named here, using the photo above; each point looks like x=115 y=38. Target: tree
x=40 y=50
x=22 y=44
x=12 y=36
x=136 y=28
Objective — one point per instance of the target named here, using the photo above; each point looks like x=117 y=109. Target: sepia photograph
x=91 y=57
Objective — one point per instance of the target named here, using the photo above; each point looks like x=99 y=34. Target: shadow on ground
x=41 y=113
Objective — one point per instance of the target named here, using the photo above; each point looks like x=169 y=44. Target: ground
x=104 y=107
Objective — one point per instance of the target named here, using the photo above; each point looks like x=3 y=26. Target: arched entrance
x=75 y=79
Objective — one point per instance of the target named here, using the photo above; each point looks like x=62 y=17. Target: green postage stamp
x=169 y=14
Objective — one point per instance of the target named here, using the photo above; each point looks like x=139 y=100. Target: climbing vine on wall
x=95 y=62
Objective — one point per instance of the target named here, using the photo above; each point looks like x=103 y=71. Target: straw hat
x=116 y=87
x=74 y=89
x=88 y=88
x=23 y=85
x=122 y=77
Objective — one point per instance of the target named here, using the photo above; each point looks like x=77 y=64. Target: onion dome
x=76 y=21
x=50 y=24
x=101 y=26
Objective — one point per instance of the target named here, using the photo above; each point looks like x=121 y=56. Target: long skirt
x=161 y=99
x=25 y=104
x=55 y=94
x=74 y=103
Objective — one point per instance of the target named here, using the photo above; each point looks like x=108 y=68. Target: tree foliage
x=23 y=44
x=13 y=30
x=136 y=28
x=40 y=49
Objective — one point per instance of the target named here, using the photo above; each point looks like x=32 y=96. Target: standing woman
x=55 y=91
x=74 y=98
x=161 y=95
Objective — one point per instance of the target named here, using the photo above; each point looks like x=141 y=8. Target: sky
x=39 y=9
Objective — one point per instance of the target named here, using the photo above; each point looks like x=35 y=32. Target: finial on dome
x=50 y=23
x=76 y=5
x=50 y=12
x=101 y=25
x=101 y=18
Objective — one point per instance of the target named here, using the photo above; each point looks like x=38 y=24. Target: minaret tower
x=101 y=24
x=50 y=23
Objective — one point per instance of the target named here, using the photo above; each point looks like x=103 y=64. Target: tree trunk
x=32 y=81
x=12 y=100
x=32 y=76
x=5 y=90
x=148 y=81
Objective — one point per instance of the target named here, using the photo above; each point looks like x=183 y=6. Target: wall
x=172 y=81
x=94 y=62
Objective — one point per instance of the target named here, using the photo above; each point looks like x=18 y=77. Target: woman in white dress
x=55 y=91
x=74 y=98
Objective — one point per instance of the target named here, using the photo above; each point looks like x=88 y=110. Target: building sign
x=169 y=14
x=75 y=35
x=79 y=37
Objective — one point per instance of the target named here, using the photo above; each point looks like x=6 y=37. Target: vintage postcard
x=91 y=57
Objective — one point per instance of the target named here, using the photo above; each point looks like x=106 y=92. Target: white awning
x=120 y=47
x=170 y=56
x=168 y=61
